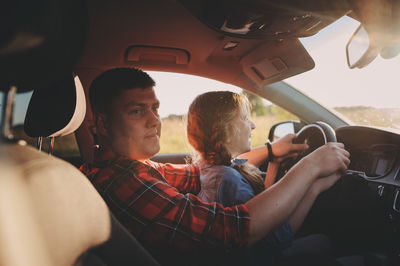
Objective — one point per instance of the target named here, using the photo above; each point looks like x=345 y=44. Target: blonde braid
x=220 y=155
x=209 y=121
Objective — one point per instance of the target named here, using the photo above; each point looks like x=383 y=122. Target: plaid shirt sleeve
x=184 y=177
x=159 y=216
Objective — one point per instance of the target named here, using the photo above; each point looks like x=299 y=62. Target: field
x=173 y=132
x=369 y=116
x=174 y=139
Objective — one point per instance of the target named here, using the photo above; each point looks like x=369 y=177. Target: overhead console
x=267 y=19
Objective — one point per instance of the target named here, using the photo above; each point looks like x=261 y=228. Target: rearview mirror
x=282 y=129
x=360 y=50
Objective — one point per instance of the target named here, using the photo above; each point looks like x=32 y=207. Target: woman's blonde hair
x=209 y=124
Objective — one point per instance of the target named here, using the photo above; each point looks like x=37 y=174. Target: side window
x=265 y=115
x=173 y=109
x=64 y=147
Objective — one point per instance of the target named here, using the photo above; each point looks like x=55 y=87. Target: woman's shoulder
x=224 y=184
x=234 y=188
x=220 y=173
x=211 y=178
x=231 y=175
x=226 y=172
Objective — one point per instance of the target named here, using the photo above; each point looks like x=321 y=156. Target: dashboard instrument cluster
x=375 y=161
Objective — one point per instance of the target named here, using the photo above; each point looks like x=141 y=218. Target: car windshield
x=368 y=96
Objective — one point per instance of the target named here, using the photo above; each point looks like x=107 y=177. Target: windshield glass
x=368 y=96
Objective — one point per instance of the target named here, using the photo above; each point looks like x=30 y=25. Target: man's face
x=133 y=126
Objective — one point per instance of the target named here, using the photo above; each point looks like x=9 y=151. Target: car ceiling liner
x=40 y=41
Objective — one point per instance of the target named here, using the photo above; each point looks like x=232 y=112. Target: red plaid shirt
x=156 y=202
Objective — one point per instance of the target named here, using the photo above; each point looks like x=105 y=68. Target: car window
x=172 y=112
x=64 y=147
x=173 y=109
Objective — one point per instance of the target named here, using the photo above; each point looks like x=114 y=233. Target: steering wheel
x=315 y=135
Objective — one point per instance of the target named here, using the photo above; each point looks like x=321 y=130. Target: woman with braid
x=219 y=129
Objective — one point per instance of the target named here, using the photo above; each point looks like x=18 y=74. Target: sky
x=331 y=82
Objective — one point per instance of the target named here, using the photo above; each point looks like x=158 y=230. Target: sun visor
x=276 y=60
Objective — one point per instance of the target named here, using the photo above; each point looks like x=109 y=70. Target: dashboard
x=376 y=161
x=375 y=157
x=374 y=153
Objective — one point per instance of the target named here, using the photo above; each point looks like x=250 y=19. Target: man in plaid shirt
x=157 y=202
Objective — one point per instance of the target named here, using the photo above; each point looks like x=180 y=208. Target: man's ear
x=102 y=125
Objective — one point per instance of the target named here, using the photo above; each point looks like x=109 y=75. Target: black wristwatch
x=271 y=156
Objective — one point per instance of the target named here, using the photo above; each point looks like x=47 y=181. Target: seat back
x=122 y=248
x=57 y=213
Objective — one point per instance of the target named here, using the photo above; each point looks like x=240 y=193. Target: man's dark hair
x=108 y=86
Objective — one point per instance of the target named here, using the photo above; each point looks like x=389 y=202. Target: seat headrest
x=57 y=110
x=40 y=41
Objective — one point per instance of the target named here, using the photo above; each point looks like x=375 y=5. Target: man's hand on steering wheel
x=330 y=158
x=333 y=161
x=322 y=184
x=285 y=148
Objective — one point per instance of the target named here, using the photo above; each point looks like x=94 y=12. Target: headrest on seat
x=57 y=110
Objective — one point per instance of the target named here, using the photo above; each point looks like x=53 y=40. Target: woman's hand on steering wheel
x=285 y=148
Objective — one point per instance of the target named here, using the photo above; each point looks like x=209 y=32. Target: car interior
x=50 y=213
